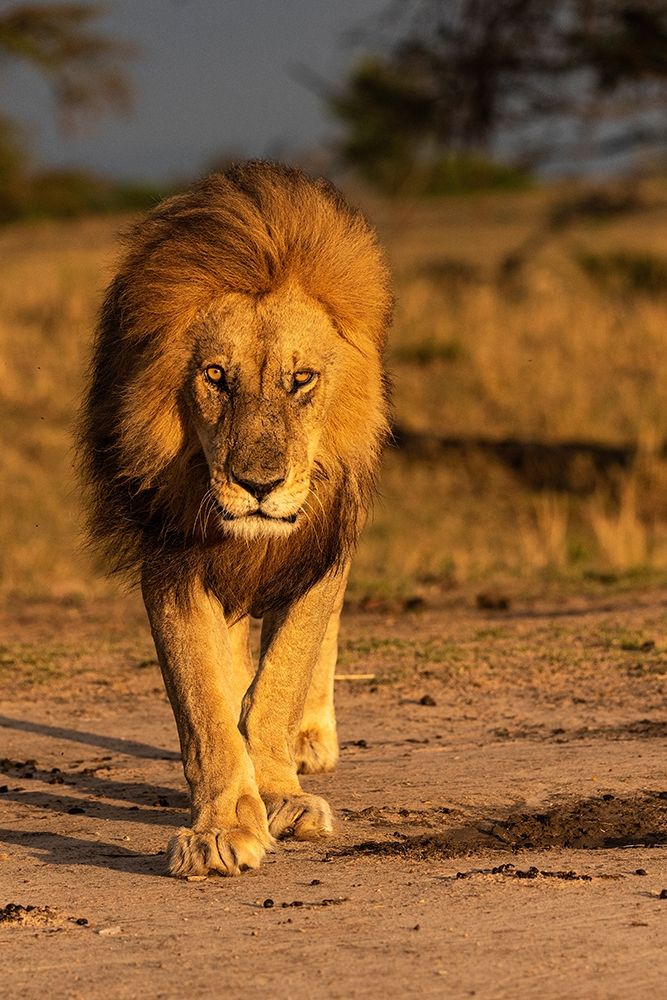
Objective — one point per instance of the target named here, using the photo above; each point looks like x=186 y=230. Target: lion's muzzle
x=258 y=488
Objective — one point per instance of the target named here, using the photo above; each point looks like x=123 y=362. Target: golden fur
x=243 y=493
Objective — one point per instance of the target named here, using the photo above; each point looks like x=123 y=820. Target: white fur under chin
x=253 y=528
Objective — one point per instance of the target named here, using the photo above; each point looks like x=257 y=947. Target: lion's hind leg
x=316 y=748
x=273 y=708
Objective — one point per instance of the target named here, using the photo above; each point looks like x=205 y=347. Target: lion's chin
x=260 y=526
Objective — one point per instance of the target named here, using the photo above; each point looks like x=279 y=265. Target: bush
x=625 y=273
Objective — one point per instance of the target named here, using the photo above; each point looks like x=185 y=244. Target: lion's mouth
x=228 y=516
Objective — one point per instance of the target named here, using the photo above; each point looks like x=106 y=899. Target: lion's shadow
x=60 y=849
x=132 y=802
x=132 y=747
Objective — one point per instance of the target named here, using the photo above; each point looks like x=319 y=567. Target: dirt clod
x=29 y=916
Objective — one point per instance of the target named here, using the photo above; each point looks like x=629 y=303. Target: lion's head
x=266 y=375
x=237 y=404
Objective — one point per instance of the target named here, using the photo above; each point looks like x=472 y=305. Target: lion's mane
x=249 y=230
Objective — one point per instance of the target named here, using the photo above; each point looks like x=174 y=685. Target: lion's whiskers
x=199 y=518
x=313 y=523
x=210 y=508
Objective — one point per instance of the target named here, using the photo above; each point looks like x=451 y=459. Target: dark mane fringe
x=248 y=230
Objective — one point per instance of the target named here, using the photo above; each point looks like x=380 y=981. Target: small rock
x=663 y=894
x=268 y=903
x=640 y=871
x=493 y=601
x=110 y=932
x=316 y=881
x=414 y=603
x=76 y=811
x=426 y=699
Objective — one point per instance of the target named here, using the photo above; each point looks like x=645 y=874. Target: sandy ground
x=501 y=802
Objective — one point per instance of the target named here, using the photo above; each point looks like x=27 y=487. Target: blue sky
x=211 y=77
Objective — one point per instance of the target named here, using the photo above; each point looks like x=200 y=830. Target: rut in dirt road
x=589 y=824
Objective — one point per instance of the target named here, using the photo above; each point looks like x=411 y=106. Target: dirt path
x=501 y=802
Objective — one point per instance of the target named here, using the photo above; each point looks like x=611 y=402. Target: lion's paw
x=305 y=817
x=316 y=750
x=227 y=852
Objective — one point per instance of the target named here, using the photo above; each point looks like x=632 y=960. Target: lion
x=230 y=438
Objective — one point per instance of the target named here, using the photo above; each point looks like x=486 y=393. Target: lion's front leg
x=229 y=829
x=273 y=710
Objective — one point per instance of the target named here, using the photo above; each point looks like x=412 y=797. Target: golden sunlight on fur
x=230 y=440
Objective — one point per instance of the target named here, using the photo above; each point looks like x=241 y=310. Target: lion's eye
x=299 y=379
x=216 y=376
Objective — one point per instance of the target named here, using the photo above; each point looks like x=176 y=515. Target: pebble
x=268 y=903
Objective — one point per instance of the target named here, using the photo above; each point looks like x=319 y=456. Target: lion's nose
x=256 y=488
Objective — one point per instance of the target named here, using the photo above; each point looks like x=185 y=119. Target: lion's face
x=262 y=378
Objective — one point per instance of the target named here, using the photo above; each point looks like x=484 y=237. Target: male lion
x=230 y=441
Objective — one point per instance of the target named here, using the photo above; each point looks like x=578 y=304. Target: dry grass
x=50 y=285
x=554 y=358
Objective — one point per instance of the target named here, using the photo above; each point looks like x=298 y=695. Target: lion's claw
x=305 y=817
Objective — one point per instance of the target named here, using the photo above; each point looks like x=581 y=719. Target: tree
x=84 y=68
x=86 y=73
x=536 y=78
